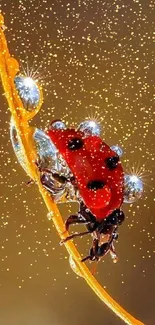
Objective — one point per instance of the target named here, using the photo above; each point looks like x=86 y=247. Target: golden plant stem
x=8 y=69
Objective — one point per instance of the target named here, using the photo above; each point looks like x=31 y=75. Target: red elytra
x=88 y=164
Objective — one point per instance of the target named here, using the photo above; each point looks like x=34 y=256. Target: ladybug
x=96 y=176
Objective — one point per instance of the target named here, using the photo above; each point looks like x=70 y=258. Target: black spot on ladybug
x=95 y=185
x=75 y=144
x=112 y=162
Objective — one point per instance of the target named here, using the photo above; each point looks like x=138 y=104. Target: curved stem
x=25 y=136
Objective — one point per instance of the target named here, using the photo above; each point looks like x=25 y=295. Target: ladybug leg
x=79 y=234
x=98 y=251
x=60 y=178
x=47 y=182
x=84 y=218
x=81 y=217
x=73 y=219
x=113 y=253
x=93 y=252
x=112 y=248
x=86 y=258
x=109 y=247
x=103 y=249
x=39 y=163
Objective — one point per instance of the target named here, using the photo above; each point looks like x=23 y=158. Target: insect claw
x=62 y=241
x=86 y=258
x=30 y=182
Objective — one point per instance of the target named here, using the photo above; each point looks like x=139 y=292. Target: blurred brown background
x=98 y=57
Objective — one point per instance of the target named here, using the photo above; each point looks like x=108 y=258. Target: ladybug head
x=96 y=168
